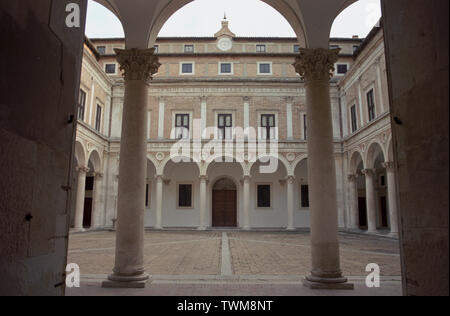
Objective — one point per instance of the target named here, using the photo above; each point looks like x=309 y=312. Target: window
x=81 y=105
x=304 y=193
x=89 y=183
x=110 y=68
x=353 y=117
x=334 y=46
x=382 y=181
x=225 y=126
x=98 y=118
x=268 y=126
x=156 y=47
x=263 y=198
x=188 y=48
x=185 y=195
x=226 y=68
x=147 y=195
x=265 y=68
x=341 y=69
x=182 y=126
x=371 y=105
x=305 y=127
x=355 y=48
x=187 y=68
x=296 y=48
x=260 y=48
x=101 y=50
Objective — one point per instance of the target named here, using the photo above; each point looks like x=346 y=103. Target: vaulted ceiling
x=143 y=19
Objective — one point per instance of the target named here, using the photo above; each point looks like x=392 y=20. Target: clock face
x=225 y=44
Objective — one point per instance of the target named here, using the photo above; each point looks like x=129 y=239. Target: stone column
x=159 y=200
x=138 y=66
x=392 y=197
x=246 y=200
x=370 y=201
x=97 y=214
x=203 y=184
x=353 y=203
x=315 y=67
x=81 y=191
x=290 y=202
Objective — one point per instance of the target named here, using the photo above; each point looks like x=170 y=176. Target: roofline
x=377 y=28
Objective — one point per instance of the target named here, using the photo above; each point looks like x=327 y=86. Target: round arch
x=152 y=159
x=96 y=160
x=373 y=151
x=280 y=158
x=356 y=158
x=297 y=161
x=211 y=160
x=183 y=159
x=390 y=149
x=295 y=20
x=80 y=154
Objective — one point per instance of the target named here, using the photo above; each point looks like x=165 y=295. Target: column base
x=246 y=228
x=290 y=228
x=129 y=282
x=316 y=283
x=158 y=228
x=201 y=228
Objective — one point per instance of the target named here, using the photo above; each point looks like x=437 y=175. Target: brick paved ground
x=252 y=253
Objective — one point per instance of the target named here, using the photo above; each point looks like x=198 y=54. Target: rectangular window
x=268 y=126
x=334 y=46
x=98 y=118
x=110 y=69
x=260 y=48
x=304 y=192
x=371 y=105
x=263 y=198
x=225 y=126
x=187 y=68
x=355 y=48
x=156 y=47
x=101 y=50
x=189 y=48
x=185 y=195
x=225 y=68
x=296 y=48
x=305 y=127
x=265 y=68
x=342 y=69
x=147 y=196
x=353 y=117
x=182 y=126
x=81 y=105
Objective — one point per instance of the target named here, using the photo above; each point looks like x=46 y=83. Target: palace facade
x=227 y=95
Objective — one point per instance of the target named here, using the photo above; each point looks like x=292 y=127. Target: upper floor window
x=81 y=105
x=264 y=68
x=98 y=118
x=334 y=46
x=156 y=47
x=371 y=105
x=225 y=126
x=341 y=69
x=110 y=69
x=260 y=48
x=101 y=50
x=182 y=124
x=355 y=48
x=353 y=118
x=226 y=68
x=268 y=126
x=187 y=68
x=296 y=48
x=188 y=48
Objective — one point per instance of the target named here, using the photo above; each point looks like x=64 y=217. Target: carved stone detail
x=138 y=64
x=316 y=64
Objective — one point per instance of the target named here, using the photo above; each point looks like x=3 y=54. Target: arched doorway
x=224 y=203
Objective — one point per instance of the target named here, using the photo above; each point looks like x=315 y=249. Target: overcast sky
x=202 y=18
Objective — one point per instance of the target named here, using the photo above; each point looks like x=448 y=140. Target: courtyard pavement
x=230 y=263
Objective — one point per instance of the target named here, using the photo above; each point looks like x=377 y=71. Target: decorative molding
x=82 y=169
x=316 y=64
x=138 y=64
x=388 y=165
x=368 y=172
x=290 y=157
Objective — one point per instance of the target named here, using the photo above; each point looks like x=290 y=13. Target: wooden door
x=224 y=208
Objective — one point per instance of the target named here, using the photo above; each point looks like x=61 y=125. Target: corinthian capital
x=316 y=64
x=138 y=64
x=388 y=165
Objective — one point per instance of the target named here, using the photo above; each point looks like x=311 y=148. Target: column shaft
x=392 y=197
x=353 y=201
x=159 y=201
x=203 y=183
x=370 y=201
x=81 y=191
x=246 y=197
x=290 y=202
x=97 y=209
x=316 y=66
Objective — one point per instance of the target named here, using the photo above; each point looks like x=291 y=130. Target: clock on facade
x=225 y=44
